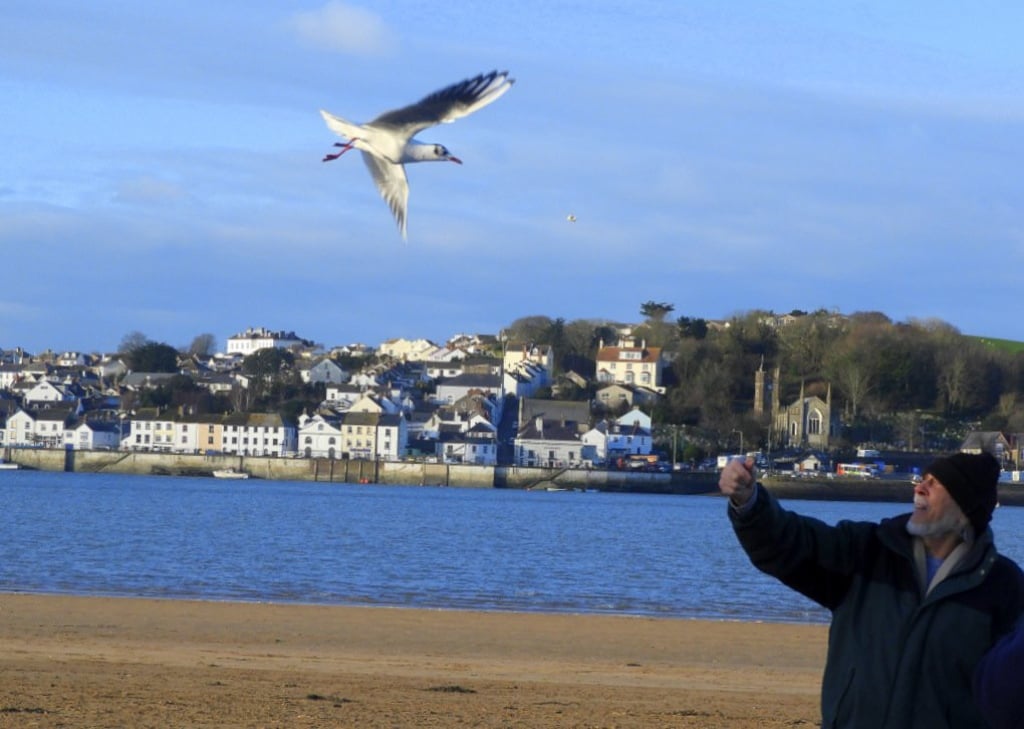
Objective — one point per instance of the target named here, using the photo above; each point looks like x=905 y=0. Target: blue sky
x=162 y=171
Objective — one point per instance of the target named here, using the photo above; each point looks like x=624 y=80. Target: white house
x=541 y=355
x=611 y=440
x=255 y=339
x=636 y=416
x=50 y=392
x=9 y=374
x=443 y=369
x=38 y=427
x=630 y=363
x=151 y=430
x=525 y=380
x=92 y=435
x=392 y=437
x=478 y=444
x=551 y=444
x=327 y=371
x=20 y=429
x=257 y=434
x=356 y=435
x=458 y=387
x=370 y=402
x=268 y=434
x=319 y=436
x=406 y=349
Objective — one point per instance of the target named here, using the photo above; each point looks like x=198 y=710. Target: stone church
x=808 y=422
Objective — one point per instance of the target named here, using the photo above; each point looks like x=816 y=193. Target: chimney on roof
x=539 y=423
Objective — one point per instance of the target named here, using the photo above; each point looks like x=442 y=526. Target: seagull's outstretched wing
x=341 y=127
x=392 y=184
x=448 y=104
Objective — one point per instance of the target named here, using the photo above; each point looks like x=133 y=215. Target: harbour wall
x=358 y=471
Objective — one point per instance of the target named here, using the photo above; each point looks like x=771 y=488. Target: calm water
x=397 y=546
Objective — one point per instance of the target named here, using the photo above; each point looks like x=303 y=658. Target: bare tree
x=203 y=344
x=132 y=341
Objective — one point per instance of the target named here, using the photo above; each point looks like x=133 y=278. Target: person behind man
x=916 y=600
x=999 y=682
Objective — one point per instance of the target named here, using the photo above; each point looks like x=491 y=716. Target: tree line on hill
x=891 y=380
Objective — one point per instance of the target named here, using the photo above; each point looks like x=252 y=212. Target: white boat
x=229 y=473
x=5 y=466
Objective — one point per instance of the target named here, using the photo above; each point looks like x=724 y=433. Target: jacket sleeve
x=808 y=555
x=997 y=688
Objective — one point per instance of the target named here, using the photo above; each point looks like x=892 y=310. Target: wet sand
x=115 y=662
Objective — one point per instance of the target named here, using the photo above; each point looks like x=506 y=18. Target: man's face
x=935 y=512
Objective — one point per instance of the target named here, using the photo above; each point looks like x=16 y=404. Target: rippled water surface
x=398 y=546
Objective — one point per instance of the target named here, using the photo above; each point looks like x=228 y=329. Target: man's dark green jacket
x=896 y=658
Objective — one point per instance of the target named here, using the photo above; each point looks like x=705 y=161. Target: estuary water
x=404 y=546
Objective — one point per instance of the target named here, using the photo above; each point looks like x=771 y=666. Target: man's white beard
x=951 y=523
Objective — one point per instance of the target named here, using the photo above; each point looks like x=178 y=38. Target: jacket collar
x=894 y=536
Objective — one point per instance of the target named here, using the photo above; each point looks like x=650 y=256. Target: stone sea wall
x=356 y=471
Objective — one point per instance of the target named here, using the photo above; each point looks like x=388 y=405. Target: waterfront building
x=38 y=428
x=92 y=435
x=552 y=443
x=477 y=444
x=614 y=439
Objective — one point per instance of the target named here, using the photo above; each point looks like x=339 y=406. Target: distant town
x=502 y=399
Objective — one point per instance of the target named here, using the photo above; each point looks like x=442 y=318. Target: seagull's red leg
x=344 y=148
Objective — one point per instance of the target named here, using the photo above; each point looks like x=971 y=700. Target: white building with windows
x=631 y=364
x=92 y=435
x=41 y=428
x=611 y=440
x=319 y=436
x=255 y=339
x=551 y=444
x=151 y=430
x=257 y=434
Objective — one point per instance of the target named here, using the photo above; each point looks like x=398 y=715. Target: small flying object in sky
x=571 y=218
x=387 y=142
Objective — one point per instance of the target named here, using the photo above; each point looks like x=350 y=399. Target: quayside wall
x=356 y=471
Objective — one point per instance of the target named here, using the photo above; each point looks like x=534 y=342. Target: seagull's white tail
x=340 y=126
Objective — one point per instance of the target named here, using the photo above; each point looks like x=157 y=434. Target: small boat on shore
x=5 y=466
x=229 y=473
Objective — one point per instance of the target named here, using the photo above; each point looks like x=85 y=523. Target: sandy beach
x=115 y=662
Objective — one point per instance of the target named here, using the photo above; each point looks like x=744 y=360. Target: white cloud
x=344 y=28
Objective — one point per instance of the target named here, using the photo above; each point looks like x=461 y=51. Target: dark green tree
x=153 y=357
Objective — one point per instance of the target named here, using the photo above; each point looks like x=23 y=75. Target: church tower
x=760 y=397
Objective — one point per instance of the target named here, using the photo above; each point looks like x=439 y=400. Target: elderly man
x=916 y=600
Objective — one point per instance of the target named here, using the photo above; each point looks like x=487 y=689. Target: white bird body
x=387 y=142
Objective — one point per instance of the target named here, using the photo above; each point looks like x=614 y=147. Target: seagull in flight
x=387 y=142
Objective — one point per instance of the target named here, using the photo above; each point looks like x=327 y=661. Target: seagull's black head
x=442 y=153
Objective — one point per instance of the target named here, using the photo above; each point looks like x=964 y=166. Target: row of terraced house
x=369 y=414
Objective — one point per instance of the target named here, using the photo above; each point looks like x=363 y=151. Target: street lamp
x=742 y=452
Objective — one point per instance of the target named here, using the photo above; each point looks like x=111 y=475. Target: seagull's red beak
x=456 y=160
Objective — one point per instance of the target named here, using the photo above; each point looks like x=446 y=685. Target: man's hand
x=737 y=480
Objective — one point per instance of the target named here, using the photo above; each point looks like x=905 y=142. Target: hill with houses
x=471 y=400
x=476 y=399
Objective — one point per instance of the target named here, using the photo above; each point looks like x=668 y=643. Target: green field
x=1006 y=345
